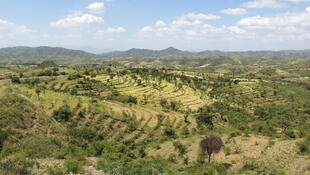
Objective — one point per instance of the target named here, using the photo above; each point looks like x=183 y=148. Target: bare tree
x=211 y=144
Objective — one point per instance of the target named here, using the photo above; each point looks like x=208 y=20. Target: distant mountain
x=173 y=52
x=169 y=52
x=42 y=53
x=24 y=55
x=291 y=54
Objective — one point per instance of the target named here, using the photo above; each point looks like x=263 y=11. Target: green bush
x=55 y=170
x=204 y=168
x=185 y=131
x=41 y=147
x=180 y=148
x=72 y=166
x=16 y=164
x=169 y=132
x=3 y=137
x=259 y=167
x=71 y=151
x=15 y=79
x=152 y=166
x=290 y=134
x=63 y=114
x=304 y=146
x=227 y=150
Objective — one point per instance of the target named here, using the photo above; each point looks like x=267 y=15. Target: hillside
x=26 y=55
x=116 y=119
x=291 y=54
x=172 y=52
x=168 y=52
x=35 y=54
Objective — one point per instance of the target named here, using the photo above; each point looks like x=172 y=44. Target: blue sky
x=104 y=25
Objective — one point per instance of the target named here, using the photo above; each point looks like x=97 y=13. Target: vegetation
x=155 y=115
x=211 y=144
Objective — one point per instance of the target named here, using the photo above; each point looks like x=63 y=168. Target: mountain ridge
x=56 y=53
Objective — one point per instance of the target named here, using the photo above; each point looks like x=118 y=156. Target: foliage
x=41 y=147
x=181 y=148
x=153 y=166
x=259 y=167
x=169 y=132
x=15 y=79
x=304 y=146
x=3 y=137
x=211 y=144
x=16 y=164
x=63 y=113
x=227 y=150
x=72 y=166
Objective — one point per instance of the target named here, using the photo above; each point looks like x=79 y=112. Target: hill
x=293 y=54
x=27 y=54
x=173 y=52
x=168 y=52
x=169 y=56
x=115 y=119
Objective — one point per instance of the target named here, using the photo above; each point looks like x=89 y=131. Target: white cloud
x=284 y=27
x=200 y=16
x=308 y=9
x=96 y=7
x=264 y=4
x=236 y=29
x=298 y=1
x=235 y=11
x=12 y=34
x=111 y=30
x=11 y=28
x=300 y=19
x=160 y=24
x=279 y=29
x=147 y=29
x=190 y=26
x=5 y=23
x=78 y=20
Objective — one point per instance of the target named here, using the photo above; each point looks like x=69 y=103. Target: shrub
x=132 y=99
x=55 y=170
x=17 y=164
x=74 y=76
x=160 y=119
x=205 y=118
x=169 y=132
x=227 y=150
x=304 y=146
x=41 y=147
x=15 y=79
x=3 y=136
x=290 y=134
x=163 y=102
x=259 y=167
x=185 y=131
x=154 y=166
x=203 y=168
x=63 y=114
x=180 y=148
x=172 y=158
x=72 y=166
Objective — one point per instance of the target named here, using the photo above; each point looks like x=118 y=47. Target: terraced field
x=153 y=92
